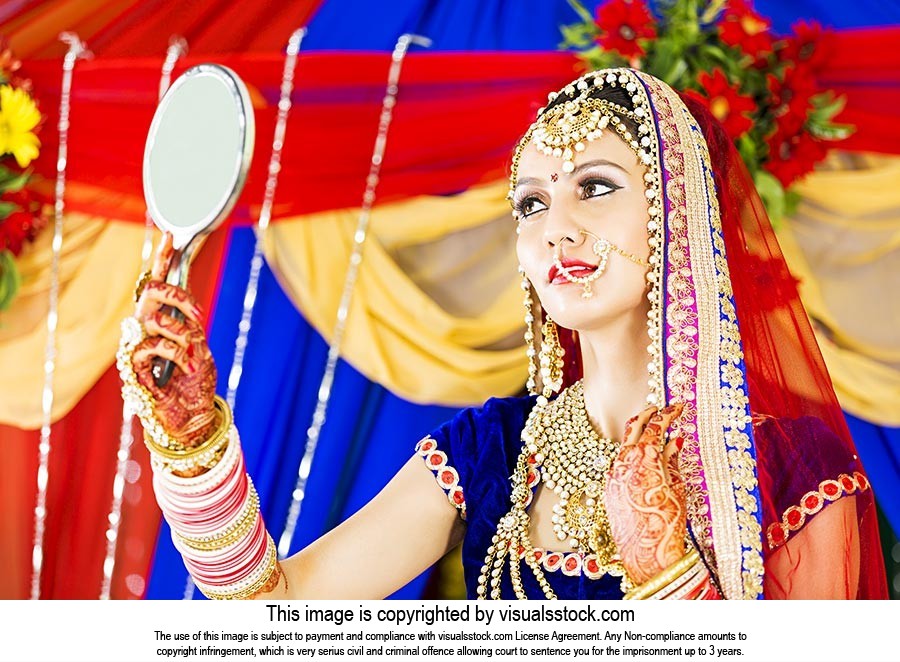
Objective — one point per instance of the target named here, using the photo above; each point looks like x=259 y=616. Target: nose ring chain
x=602 y=248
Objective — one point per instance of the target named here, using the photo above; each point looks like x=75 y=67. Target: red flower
x=622 y=23
x=809 y=48
x=792 y=156
x=743 y=28
x=23 y=224
x=725 y=102
x=790 y=97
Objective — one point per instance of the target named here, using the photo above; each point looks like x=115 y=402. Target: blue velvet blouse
x=474 y=454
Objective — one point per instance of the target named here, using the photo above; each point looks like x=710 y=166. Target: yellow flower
x=18 y=116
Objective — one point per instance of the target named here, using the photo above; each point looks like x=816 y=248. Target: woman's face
x=605 y=196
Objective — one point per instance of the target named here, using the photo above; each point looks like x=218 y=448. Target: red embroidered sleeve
x=811 y=503
x=445 y=475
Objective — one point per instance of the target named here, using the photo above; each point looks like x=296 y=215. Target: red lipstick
x=575 y=268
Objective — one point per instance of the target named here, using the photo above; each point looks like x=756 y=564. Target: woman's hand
x=184 y=405
x=645 y=496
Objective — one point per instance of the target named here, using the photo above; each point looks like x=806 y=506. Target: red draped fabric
x=457 y=119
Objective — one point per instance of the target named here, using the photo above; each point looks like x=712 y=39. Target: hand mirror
x=196 y=159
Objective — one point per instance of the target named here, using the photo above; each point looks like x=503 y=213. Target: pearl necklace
x=561 y=448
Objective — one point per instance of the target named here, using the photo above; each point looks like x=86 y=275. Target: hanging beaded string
x=559 y=446
x=265 y=215
x=359 y=238
x=77 y=50
x=177 y=49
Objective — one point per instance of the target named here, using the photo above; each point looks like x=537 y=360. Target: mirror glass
x=198 y=151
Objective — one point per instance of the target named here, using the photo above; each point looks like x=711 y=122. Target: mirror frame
x=183 y=236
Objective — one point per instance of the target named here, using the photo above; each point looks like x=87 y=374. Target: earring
x=530 y=350
x=551 y=359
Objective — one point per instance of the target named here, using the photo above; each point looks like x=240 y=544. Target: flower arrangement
x=760 y=86
x=22 y=212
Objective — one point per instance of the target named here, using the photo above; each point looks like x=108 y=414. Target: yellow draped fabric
x=99 y=263
x=437 y=312
x=844 y=245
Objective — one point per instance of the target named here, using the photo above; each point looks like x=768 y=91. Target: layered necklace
x=560 y=448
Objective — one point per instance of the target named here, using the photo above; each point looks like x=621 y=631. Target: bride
x=681 y=440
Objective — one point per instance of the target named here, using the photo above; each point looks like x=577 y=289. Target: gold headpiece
x=562 y=128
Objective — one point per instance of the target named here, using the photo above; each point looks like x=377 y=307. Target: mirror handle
x=162 y=369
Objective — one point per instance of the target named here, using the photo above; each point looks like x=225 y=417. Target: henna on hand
x=185 y=405
x=645 y=498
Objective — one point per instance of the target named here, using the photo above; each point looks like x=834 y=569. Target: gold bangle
x=664 y=578
x=205 y=455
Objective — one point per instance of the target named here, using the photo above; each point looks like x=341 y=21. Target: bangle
x=232 y=532
x=664 y=578
x=685 y=585
x=251 y=585
x=202 y=483
x=205 y=455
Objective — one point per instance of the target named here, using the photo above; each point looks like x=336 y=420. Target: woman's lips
x=574 y=268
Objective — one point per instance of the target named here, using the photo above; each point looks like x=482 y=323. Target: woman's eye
x=594 y=188
x=530 y=205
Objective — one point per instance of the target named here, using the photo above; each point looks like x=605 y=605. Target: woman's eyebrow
x=597 y=162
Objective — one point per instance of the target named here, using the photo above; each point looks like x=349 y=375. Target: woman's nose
x=560 y=230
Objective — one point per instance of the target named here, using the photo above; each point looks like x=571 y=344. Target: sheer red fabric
x=790 y=392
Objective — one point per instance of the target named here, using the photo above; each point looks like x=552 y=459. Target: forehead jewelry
x=554 y=177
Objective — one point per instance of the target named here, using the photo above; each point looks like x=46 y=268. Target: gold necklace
x=561 y=448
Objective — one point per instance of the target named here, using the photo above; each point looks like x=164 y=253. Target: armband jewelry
x=666 y=578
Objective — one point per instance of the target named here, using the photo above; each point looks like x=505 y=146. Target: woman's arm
x=402 y=531
x=212 y=507
x=821 y=561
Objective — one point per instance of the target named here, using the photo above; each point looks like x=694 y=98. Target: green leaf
x=825 y=106
x=830 y=130
x=9 y=279
x=667 y=61
x=577 y=36
x=13 y=181
x=791 y=202
x=7 y=208
x=772 y=193
x=582 y=11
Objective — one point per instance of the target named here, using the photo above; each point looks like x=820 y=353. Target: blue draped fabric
x=370 y=432
x=879 y=448
x=502 y=25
